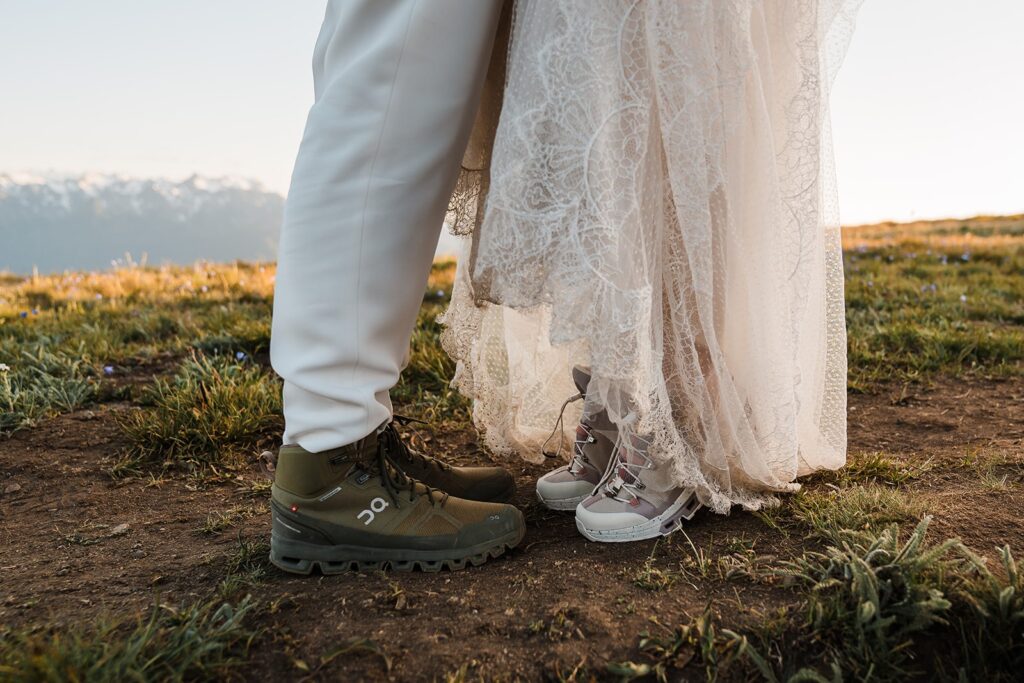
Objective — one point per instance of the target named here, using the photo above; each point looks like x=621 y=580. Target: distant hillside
x=85 y=222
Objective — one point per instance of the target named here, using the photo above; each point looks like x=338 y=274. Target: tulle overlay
x=657 y=202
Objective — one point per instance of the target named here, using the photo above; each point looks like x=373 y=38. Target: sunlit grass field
x=921 y=299
x=185 y=351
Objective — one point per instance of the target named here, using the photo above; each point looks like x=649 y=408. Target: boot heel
x=287 y=536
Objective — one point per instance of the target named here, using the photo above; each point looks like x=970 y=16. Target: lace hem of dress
x=657 y=202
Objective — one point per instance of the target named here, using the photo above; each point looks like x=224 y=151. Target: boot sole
x=297 y=557
x=662 y=525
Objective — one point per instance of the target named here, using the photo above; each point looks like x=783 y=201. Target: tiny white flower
x=4 y=367
x=963 y=298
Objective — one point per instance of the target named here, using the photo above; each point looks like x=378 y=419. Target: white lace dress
x=660 y=208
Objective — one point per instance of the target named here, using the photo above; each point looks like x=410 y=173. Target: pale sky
x=927 y=109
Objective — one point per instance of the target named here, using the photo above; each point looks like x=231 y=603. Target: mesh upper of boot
x=433 y=525
x=445 y=519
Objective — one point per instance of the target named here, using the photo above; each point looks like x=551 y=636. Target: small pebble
x=119 y=530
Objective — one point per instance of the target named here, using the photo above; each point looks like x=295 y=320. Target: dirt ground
x=76 y=544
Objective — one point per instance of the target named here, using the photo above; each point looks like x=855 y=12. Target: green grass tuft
x=199 y=642
x=829 y=513
x=872 y=594
x=991 y=621
x=213 y=411
x=37 y=383
x=246 y=567
x=869 y=468
x=700 y=645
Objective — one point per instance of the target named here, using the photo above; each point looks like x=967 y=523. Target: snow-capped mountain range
x=57 y=222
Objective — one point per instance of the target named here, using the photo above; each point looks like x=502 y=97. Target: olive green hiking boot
x=488 y=484
x=352 y=508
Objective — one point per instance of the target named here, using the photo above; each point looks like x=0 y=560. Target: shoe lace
x=629 y=460
x=415 y=456
x=559 y=425
x=392 y=477
x=579 y=455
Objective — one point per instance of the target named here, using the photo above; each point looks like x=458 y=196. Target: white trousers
x=397 y=85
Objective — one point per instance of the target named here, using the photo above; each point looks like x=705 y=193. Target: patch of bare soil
x=75 y=544
x=969 y=437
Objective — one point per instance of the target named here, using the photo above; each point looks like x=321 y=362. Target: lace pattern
x=657 y=202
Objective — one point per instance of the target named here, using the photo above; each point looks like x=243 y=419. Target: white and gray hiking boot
x=622 y=508
x=566 y=487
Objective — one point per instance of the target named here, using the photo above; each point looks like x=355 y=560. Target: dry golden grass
x=72 y=290
x=989 y=233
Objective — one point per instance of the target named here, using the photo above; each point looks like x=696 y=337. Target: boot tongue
x=360 y=456
x=581 y=378
x=579 y=457
x=361 y=473
x=390 y=455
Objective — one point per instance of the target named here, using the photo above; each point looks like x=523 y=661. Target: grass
x=699 y=644
x=871 y=595
x=210 y=414
x=872 y=604
x=866 y=468
x=559 y=624
x=424 y=390
x=827 y=513
x=651 y=577
x=922 y=301
x=40 y=383
x=245 y=567
x=927 y=299
x=218 y=521
x=201 y=641
x=991 y=621
x=67 y=340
